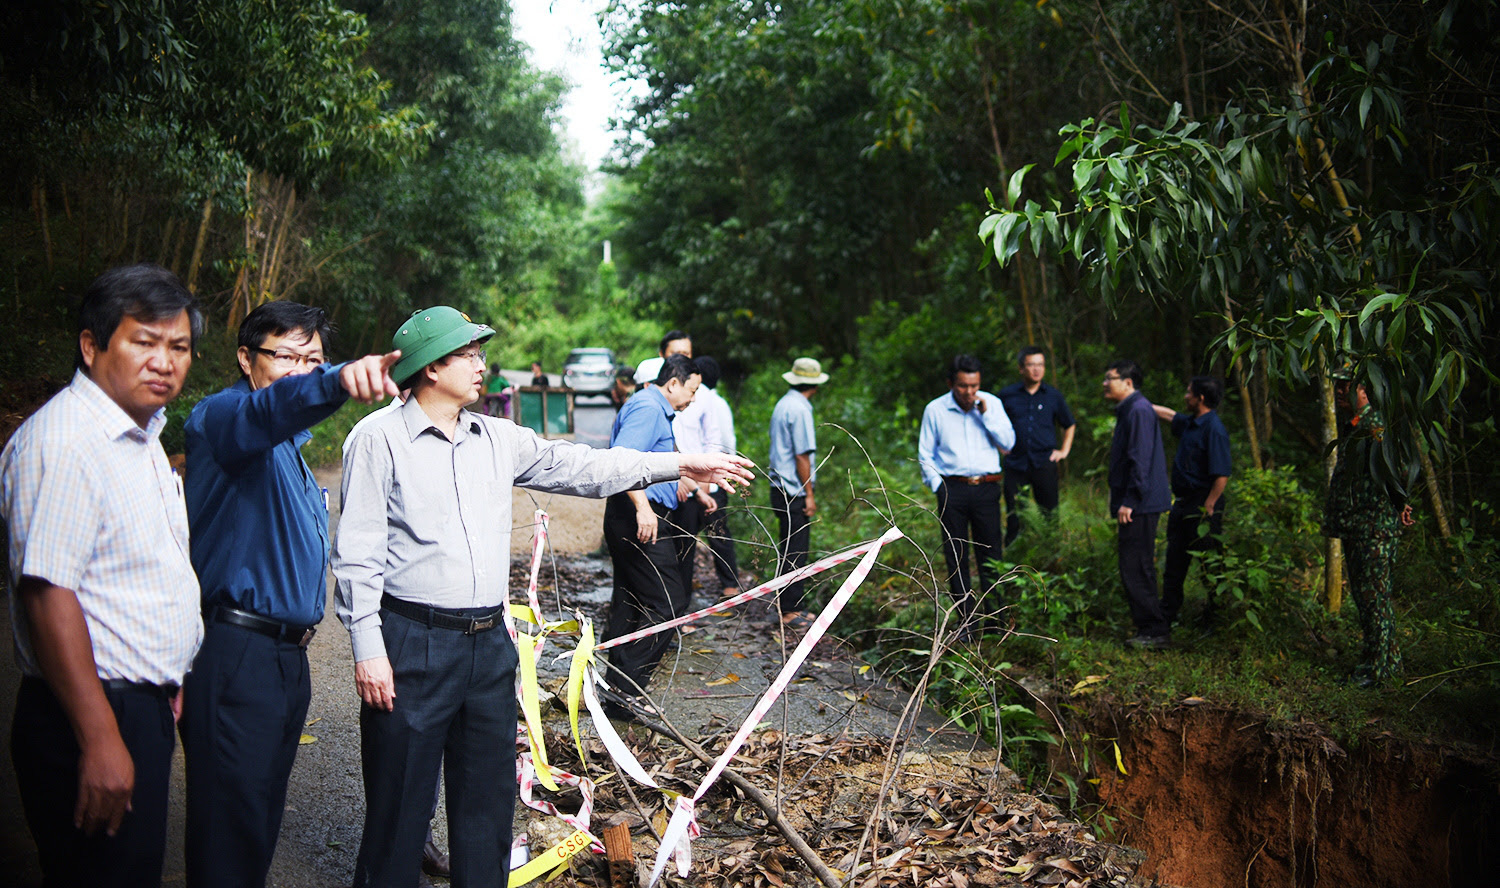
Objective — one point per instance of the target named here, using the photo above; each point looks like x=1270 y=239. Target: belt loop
x=429 y=618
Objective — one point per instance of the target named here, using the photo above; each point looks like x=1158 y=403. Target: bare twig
x=761 y=800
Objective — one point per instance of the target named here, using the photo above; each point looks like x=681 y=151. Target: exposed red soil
x=1220 y=798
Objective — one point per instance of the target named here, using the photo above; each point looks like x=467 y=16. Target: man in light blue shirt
x=793 y=470
x=963 y=436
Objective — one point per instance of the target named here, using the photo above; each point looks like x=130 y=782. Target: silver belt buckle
x=477 y=625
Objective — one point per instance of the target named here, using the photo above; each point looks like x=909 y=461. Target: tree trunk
x=197 y=260
x=39 y=199
x=1430 y=480
x=1251 y=435
x=1333 y=552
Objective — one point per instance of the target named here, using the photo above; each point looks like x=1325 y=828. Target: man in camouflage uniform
x=1367 y=517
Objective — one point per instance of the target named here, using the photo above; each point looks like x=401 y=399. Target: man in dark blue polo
x=259 y=530
x=1200 y=472
x=1036 y=410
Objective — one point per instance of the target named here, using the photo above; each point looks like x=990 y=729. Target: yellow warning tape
x=583 y=655
x=531 y=708
x=555 y=858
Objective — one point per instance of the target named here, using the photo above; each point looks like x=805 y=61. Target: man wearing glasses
x=259 y=530
x=423 y=567
x=1138 y=494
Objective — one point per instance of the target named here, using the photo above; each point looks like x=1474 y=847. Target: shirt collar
x=417 y=421
x=1120 y=407
x=662 y=402
x=112 y=417
x=952 y=402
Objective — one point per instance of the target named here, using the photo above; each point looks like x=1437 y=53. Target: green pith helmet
x=429 y=334
x=1343 y=368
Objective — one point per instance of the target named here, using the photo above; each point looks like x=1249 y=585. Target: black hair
x=678 y=367
x=803 y=387
x=624 y=372
x=280 y=318
x=1127 y=369
x=495 y=369
x=962 y=364
x=708 y=368
x=1028 y=351
x=671 y=337
x=1209 y=388
x=146 y=292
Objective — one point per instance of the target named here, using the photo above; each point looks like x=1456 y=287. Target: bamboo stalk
x=1434 y=497
x=197 y=261
x=1333 y=551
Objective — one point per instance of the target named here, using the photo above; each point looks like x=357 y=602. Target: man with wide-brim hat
x=793 y=470
x=423 y=563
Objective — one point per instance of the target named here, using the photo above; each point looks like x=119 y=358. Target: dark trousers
x=796 y=539
x=688 y=520
x=1137 y=542
x=647 y=591
x=1043 y=481
x=455 y=708
x=1188 y=532
x=971 y=511
x=243 y=708
x=726 y=564
x=45 y=753
x=1370 y=560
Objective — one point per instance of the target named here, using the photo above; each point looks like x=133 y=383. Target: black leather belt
x=298 y=635
x=973 y=480
x=165 y=691
x=442 y=618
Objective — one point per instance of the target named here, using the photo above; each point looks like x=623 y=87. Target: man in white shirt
x=105 y=605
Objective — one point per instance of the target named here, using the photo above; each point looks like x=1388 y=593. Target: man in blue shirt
x=1137 y=497
x=1200 y=472
x=793 y=470
x=1036 y=411
x=648 y=580
x=259 y=531
x=963 y=435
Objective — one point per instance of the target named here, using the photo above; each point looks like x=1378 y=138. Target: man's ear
x=244 y=357
x=88 y=347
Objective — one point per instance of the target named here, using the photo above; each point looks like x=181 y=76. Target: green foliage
x=1270 y=569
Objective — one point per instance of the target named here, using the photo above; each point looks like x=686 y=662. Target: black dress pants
x=971 y=511
x=796 y=539
x=688 y=520
x=1137 y=560
x=647 y=591
x=45 y=752
x=726 y=563
x=1188 y=532
x=1043 y=480
x=455 y=708
x=243 y=708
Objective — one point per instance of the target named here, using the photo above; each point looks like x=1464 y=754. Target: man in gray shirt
x=423 y=563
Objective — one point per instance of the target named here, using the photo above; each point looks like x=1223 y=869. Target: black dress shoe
x=1149 y=642
x=434 y=862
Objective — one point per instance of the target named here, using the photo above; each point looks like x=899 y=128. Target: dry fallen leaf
x=731 y=678
x=306 y=739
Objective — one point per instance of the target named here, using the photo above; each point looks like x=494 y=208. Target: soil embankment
x=1217 y=798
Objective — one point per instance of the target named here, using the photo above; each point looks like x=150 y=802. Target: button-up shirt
x=792 y=434
x=93 y=506
x=428 y=519
x=259 y=522
x=954 y=441
x=1036 y=417
x=645 y=424
x=1202 y=452
x=1137 y=460
x=696 y=427
x=723 y=420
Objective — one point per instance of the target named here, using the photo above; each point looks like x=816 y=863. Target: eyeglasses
x=288 y=360
x=475 y=356
x=1108 y=378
